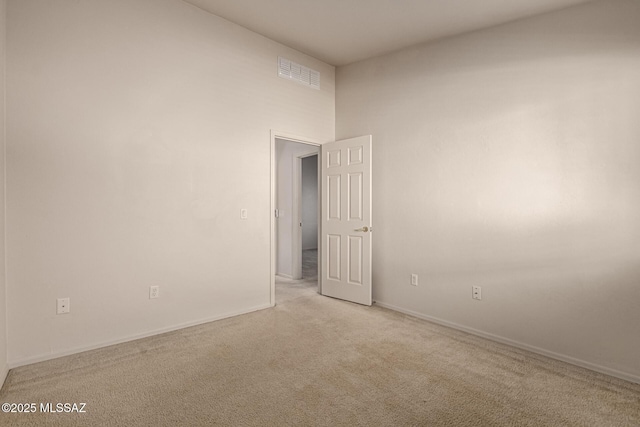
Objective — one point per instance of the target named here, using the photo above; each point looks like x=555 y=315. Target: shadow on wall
x=508 y=158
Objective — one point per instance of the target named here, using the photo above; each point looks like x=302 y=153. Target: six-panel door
x=346 y=220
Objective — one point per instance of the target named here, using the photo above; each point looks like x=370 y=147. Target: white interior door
x=346 y=220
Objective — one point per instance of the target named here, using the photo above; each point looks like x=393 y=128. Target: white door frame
x=296 y=234
x=303 y=140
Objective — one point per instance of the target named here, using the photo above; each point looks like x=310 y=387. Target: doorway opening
x=305 y=204
x=344 y=241
x=295 y=226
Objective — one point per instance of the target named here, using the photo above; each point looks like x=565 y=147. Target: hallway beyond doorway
x=288 y=289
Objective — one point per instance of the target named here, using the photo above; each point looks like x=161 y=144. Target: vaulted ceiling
x=340 y=32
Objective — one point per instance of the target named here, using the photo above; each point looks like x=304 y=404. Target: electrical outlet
x=243 y=214
x=476 y=292
x=64 y=306
x=414 y=279
x=154 y=292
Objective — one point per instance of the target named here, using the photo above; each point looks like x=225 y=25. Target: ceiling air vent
x=299 y=73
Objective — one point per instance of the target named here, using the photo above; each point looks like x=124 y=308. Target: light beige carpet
x=311 y=361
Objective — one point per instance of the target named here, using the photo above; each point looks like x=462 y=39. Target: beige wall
x=510 y=158
x=3 y=303
x=137 y=130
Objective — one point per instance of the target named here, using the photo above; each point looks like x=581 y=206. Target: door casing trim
x=273 y=204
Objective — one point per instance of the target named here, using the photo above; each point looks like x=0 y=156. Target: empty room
x=339 y=212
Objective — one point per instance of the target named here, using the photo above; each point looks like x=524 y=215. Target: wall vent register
x=299 y=73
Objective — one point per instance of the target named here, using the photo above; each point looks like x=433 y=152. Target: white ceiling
x=340 y=32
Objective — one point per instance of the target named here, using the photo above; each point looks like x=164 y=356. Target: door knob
x=364 y=229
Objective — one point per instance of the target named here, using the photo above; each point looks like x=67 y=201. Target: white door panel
x=346 y=219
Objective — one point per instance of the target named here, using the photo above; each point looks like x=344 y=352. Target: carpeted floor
x=313 y=360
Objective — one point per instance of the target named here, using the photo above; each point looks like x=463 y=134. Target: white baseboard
x=553 y=355
x=3 y=375
x=55 y=355
x=286 y=276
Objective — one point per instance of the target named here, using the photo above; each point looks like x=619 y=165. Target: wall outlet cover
x=63 y=306
x=154 y=292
